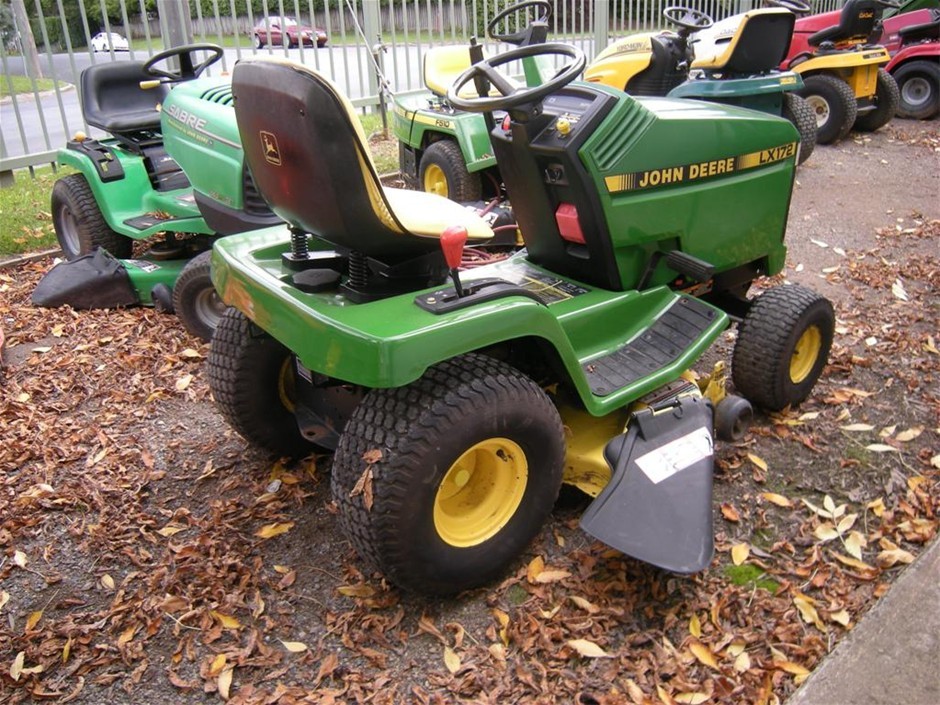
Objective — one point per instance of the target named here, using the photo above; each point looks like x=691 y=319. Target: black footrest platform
x=663 y=343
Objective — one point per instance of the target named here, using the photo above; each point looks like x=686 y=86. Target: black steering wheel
x=511 y=96
x=797 y=7
x=687 y=18
x=889 y=3
x=188 y=70
x=517 y=37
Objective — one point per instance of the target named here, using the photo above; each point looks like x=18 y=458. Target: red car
x=276 y=31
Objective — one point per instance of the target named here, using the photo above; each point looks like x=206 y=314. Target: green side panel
x=729 y=89
x=201 y=134
x=415 y=123
x=392 y=342
x=712 y=179
x=134 y=196
x=146 y=274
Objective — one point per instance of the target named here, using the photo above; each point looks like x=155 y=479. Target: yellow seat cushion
x=443 y=66
x=428 y=215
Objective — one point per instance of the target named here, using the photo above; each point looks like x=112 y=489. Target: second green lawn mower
x=136 y=223
x=457 y=403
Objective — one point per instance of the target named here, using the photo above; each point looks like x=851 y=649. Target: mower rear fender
x=857 y=68
x=732 y=89
x=130 y=205
x=391 y=342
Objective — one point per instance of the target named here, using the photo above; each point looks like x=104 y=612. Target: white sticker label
x=676 y=456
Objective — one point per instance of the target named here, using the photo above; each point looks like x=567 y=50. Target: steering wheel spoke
x=188 y=70
x=511 y=96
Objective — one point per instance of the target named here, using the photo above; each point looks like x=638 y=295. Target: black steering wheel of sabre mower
x=187 y=70
x=797 y=7
x=687 y=18
x=510 y=96
x=517 y=9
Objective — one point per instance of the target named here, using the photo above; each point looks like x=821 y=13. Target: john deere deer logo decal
x=271 y=152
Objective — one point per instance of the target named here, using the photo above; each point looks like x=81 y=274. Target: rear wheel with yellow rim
x=442 y=483
x=252 y=379
x=782 y=347
x=442 y=171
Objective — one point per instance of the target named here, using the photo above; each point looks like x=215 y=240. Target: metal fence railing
x=56 y=39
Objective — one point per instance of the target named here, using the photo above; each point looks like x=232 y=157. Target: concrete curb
x=892 y=657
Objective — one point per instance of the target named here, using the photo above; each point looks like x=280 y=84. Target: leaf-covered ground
x=147 y=554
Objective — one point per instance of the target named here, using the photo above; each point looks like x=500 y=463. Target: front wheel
x=444 y=172
x=919 y=90
x=797 y=111
x=195 y=299
x=251 y=376
x=782 y=347
x=79 y=225
x=833 y=103
x=886 y=99
x=441 y=484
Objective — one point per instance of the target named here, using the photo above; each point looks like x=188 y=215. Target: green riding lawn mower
x=456 y=404
x=446 y=151
x=136 y=223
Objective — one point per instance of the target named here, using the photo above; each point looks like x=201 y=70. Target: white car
x=101 y=42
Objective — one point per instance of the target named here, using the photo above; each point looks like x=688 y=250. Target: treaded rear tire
x=419 y=431
x=462 y=186
x=195 y=300
x=797 y=111
x=249 y=375
x=887 y=99
x=766 y=349
x=79 y=225
x=927 y=78
x=835 y=97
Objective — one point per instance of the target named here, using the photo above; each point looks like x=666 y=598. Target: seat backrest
x=113 y=100
x=758 y=45
x=309 y=159
x=856 y=23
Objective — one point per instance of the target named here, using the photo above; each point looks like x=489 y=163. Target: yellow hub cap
x=435 y=181
x=285 y=384
x=480 y=492
x=805 y=354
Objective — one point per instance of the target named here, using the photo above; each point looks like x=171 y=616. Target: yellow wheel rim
x=805 y=354
x=480 y=492
x=285 y=384
x=435 y=181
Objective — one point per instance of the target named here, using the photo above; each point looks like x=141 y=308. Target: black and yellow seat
x=444 y=64
x=758 y=45
x=856 y=24
x=310 y=160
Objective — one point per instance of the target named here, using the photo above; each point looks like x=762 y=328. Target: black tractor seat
x=925 y=32
x=113 y=100
x=856 y=23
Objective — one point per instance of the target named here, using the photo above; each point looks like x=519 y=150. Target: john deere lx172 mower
x=843 y=69
x=171 y=176
x=457 y=404
x=733 y=62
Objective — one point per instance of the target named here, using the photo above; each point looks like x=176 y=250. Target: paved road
x=34 y=124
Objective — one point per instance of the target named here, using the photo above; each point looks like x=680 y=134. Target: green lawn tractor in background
x=457 y=403
x=733 y=61
x=844 y=77
x=447 y=151
x=137 y=222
